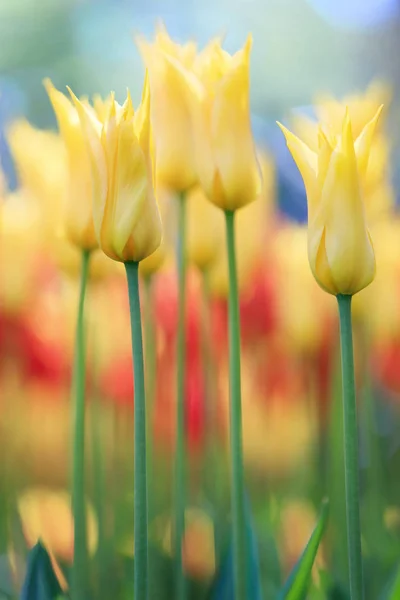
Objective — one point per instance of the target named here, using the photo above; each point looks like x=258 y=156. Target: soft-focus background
x=300 y=47
x=304 y=50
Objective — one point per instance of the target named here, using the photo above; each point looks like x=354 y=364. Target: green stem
x=350 y=449
x=150 y=367
x=180 y=405
x=79 y=568
x=207 y=367
x=140 y=491
x=237 y=483
x=99 y=495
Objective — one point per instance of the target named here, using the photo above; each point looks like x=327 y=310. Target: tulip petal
x=141 y=119
x=79 y=220
x=171 y=117
x=92 y=131
x=134 y=205
x=349 y=251
x=320 y=265
x=364 y=141
x=231 y=136
x=307 y=163
x=67 y=116
x=185 y=53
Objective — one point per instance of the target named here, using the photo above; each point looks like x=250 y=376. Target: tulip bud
x=125 y=213
x=226 y=158
x=171 y=118
x=79 y=220
x=340 y=249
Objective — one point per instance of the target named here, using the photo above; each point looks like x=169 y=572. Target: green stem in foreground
x=140 y=491
x=180 y=405
x=237 y=484
x=350 y=449
x=150 y=369
x=79 y=567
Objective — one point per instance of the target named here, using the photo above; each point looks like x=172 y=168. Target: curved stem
x=237 y=483
x=350 y=449
x=79 y=568
x=140 y=489
x=180 y=405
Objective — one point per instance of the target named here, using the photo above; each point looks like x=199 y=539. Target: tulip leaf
x=392 y=590
x=40 y=582
x=298 y=581
x=223 y=585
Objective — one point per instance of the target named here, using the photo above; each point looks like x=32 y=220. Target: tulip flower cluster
x=172 y=425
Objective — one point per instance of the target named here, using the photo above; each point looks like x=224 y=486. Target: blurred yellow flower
x=298 y=519
x=198 y=551
x=79 y=218
x=340 y=249
x=304 y=311
x=125 y=213
x=377 y=191
x=21 y=243
x=226 y=158
x=170 y=110
x=362 y=107
x=205 y=230
x=185 y=53
x=378 y=305
x=41 y=163
x=46 y=515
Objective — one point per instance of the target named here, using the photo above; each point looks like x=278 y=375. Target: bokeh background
x=292 y=434
x=300 y=47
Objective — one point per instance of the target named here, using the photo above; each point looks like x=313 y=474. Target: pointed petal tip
x=76 y=102
x=48 y=84
x=346 y=140
x=286 y=132
x=378 y=113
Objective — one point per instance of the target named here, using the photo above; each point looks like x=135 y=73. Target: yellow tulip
x=41 y=165
x=125 y=213
x=205 y=225
x=226 y=157
x=20 y=247
x=362 y=107
x=46 y=514
x=101 y=106
x=170 y=111
x=340 y=249
x=185 y=53
x=79 y=220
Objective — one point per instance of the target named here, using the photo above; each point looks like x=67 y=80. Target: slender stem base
x=140 y=489
x=180 y=483
x=237 y=484
x=350 y=449
x=79 y=567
